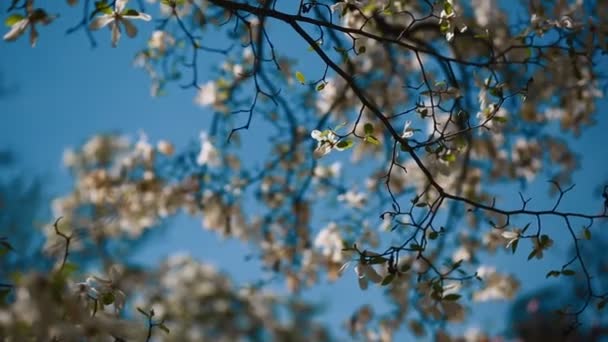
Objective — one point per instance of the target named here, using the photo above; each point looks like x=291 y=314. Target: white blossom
x=115 y=17
x=208 y=154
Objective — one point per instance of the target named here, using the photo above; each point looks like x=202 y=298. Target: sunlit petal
x=101 y=21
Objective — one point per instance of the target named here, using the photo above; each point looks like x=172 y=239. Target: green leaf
x=372 y=139
x=69 y=268
x=164 y=328
x=344 y=144
x=362 y=49
x=368 y=128
x=378 y=260
x=107 y=298
x=447 y=7
x=103 y=7
x=388 y=279
x=553 y=273
x=587 y=234
x=544 y=239
x=421 y=205
x=449 y=157
x=13 y=19
x=300 y=77
x=602 y=303
x=433 y=235
x=452 y=297
x=130 y=13
x=568 y=272
x=416 y=247
x=496 y=91
x=404 y=268
x=321 y=86
x=532 y=254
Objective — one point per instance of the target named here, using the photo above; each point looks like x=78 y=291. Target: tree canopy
x=395 y=138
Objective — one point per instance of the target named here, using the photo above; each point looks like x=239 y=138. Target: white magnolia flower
x=105 y=290
x=353 y=199
x=165 y=147
x=115 y=17
x=511 y=237
x=208 y=154
x=161 y=41
x=207 y=95
x=329 y=241
x=19 y=23
x=326 y=140
x=365 y=274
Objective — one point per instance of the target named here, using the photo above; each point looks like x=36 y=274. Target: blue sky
x=66 y=91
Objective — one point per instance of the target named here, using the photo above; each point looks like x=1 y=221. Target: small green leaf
x=496 y=91
x=587 y=234
x=404 y=268
x=13 y=19
x=107 y=298
x=544 y=239
x=368 y=128
x=568 y=272
x=69 y=268
x=421 y=205
x=447 y=7
x=388 y=279
x=130 y=13
x=532 y=254
x=433 y=235
x=164 y=328
x=362 y=49
x=344 y=144
x=602 y=303
x=103 y=7
x=372 y=140
x=500 y=119
x=416 y=247
x=378 y=260
x=452 y=297
x=321 y=86
x=553 y=273
x=449 y=157
x=300 y=77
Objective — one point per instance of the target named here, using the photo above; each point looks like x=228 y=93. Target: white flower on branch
x=19 y=23
x=106 y=291
x=115 y=17
x=208 y=154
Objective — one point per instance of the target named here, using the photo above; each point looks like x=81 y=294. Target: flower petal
x=363 y=283
x=129 y=27
x=33 y=36
x=101 y=21
x=316 y=134
x=142 y=16
x=370 y=273
x=115 y=34
x=119 y=6
x=16 y=30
